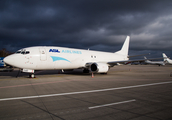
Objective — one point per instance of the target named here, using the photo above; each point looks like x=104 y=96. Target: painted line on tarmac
x=43 y=83
x=34 y=84
x=105 y=105
x=82 y=92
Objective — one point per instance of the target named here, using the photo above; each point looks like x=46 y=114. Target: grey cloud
x=99 y=24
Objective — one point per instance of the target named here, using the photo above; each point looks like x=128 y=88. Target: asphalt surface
x=137 y=92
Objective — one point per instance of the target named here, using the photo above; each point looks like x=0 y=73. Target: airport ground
x=131 y=92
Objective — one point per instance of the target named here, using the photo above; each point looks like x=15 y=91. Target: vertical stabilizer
x=125 y=47
x=166 y=59
x=164 y=56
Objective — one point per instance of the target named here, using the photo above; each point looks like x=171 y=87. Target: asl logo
x=54 y=50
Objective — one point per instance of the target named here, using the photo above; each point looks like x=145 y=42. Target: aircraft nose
x=9 y=60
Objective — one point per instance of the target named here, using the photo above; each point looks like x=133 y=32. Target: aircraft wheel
x=32 y=76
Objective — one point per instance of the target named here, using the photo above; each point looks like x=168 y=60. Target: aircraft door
x=43 y=55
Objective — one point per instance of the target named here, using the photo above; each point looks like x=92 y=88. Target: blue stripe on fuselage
x=55 y=58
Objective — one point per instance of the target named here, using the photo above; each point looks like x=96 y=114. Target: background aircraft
x=2 y=64
x=166 y=59
x=154 y=62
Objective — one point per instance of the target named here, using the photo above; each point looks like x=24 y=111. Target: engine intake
x=99 y=67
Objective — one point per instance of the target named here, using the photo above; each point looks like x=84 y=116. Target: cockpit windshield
x=18 y=52
x=27 y=52
x=22 y=52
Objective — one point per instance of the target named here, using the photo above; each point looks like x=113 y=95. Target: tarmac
x=129 y=92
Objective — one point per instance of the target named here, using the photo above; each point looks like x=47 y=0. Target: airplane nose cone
x=9 y=60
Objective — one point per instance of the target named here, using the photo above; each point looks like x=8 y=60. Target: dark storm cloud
x=95 y=24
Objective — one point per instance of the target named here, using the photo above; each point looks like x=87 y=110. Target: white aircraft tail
x=146 y=60
x=166 y=59
x=164 y=56
x=125 y=47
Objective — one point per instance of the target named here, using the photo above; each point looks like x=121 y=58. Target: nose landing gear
x=32 y=75
x=31 y=72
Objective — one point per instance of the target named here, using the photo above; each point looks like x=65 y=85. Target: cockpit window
x=23 y=52
x=18 y=52
x=27 y=52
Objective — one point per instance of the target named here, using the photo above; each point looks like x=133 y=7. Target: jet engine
x=99 y=68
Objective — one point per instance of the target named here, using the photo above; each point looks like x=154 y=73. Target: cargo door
x=43 y=55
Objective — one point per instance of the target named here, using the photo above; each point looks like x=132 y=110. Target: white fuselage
x=48 y=58
x=44 y=58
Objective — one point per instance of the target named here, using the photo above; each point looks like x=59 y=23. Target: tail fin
x=125 y=47
x=165 y=57
x=146 y=60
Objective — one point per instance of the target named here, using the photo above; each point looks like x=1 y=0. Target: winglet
x=125 y=47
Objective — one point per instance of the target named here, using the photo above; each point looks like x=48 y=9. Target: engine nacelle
x=99 y=67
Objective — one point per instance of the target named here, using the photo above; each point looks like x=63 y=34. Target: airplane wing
x=112 y=63
x=138 y=55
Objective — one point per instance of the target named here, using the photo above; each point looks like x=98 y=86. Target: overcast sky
x=96 y=24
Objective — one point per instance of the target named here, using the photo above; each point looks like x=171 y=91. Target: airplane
x=154 y=62
x=61 y=58
x=166 y=59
